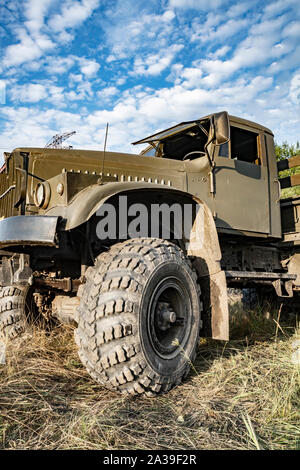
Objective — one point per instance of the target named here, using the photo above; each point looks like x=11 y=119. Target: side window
x=244 y=145
x=224 y=150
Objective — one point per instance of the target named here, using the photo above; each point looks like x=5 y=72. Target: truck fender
x=89 y=200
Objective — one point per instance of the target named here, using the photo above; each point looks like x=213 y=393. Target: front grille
x=7 y=179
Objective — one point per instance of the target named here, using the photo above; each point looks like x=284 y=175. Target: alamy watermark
x=2 y=92
x=176 y=221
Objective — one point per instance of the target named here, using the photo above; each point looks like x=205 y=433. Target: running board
x=258 y=275
x=277 y=280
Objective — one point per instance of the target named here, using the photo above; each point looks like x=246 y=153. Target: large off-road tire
x=139 y=317
x=12 y=311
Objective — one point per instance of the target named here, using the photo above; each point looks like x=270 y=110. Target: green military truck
x=137 y=250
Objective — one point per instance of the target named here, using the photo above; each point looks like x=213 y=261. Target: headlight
x=42 y=195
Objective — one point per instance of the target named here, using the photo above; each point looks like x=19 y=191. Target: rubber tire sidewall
x=186 y=351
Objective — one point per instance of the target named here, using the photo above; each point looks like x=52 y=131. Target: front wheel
x=139 y=317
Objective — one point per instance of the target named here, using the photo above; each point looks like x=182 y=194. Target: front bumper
x=21 y=231
x=28 y=230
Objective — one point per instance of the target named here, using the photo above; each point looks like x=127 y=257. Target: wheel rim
x=169 y=318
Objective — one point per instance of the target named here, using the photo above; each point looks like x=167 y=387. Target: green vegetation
x=243 y=394
x=284 y=151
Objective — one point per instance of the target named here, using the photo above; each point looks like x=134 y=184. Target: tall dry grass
x=243 y=394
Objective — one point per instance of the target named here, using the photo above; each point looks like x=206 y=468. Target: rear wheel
x=12 y=311
x=139 y=317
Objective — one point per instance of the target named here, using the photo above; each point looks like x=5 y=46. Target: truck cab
x=244 y=194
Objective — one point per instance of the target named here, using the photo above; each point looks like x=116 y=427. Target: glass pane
x=224 y=150
x=244 y=145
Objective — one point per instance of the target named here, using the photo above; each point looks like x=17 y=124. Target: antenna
x=104 y=150
x=57 y=140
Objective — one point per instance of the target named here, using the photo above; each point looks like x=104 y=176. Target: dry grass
x=239 y=395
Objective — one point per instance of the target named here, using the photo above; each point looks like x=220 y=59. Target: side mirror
x=221 y=127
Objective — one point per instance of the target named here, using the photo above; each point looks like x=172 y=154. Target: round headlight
x=42 y=195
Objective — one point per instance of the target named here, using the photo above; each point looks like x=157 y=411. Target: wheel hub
x=169 y=317
x=165 y=315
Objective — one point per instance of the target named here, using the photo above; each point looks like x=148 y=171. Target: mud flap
x=293 y=265
x=205 y=248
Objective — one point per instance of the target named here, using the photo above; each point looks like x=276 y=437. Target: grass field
x=243 y=394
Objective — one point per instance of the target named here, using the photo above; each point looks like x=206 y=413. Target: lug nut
x=169 y=316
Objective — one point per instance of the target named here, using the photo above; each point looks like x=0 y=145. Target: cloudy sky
x=143 y=65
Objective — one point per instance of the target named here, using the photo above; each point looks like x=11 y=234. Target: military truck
x=141 y=290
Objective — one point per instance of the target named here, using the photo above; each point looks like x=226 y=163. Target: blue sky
x=143 y=65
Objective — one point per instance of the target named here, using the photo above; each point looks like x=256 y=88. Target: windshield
x=149 y=151
x=177 y=144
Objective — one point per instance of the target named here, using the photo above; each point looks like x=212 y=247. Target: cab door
x=241 y=199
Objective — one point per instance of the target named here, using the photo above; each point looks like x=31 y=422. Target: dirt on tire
x=114 y=341
x=12 y=311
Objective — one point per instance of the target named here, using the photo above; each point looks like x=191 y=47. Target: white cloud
x=292 y=29
x=154 y=64
x=28 y=49
x=35 y=11
x=107 y=92
x=197 y=4
x=31 y=93
x=58 y=65
x=73 y=77
x=56 y=96
x=295 y=88
x=89 y=68
x=275 y=8
x=260 y=47
x=37 y=92
x=129 y=31
x=220 y=52
x=72 y=14
x=286 y=63
x=32 y=41
x=240 y=8
x=85 y=89
x=34 y=127
x=168 y=15
x=2 y=92
x=120 y=81
x=82 y=89
x=191 y=77
x=34 y=38
x=221 y=32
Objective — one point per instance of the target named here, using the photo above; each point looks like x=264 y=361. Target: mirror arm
x=212 y=179
x=211 y=161
x=210 y=140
